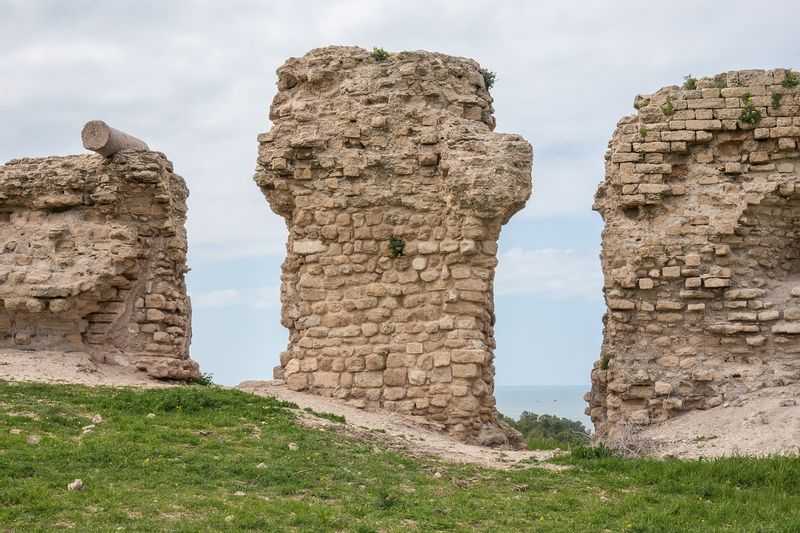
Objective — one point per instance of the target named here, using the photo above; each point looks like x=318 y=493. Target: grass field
x=212 y=459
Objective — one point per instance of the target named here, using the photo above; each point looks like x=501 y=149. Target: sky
x=195 y=80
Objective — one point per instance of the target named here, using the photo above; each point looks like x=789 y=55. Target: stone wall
x=701 y=248
x=92 y=258
x=365 y=152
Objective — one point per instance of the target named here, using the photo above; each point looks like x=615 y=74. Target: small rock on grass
x=34 y=439
x=151 y=415
x=293 y=446
x=96 y=419
x=261 y=466
x=76 y=485
x=239 y=493
x=15 y=431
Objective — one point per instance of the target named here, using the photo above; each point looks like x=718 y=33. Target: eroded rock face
x=92 y=258
x=367 y=153
x=701 y=249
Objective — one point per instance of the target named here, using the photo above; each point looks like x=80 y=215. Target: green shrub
x=489 y=78
x=691 y=83
x=750 y=114
x=206 y=379
x=644 y=102
x=643 y=132
x=790 y=79
x=776 y=100
x=604 y=362
x=600 y=451
x=379 y=54
x=548 y=431
x=396 y=246
x=668 y=108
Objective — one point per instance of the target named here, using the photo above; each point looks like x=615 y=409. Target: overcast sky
x=195 y=79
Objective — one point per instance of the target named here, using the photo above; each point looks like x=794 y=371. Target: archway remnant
x=700 y=253
x=394 y=189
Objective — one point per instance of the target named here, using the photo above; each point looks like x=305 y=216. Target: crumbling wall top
x=701 y=204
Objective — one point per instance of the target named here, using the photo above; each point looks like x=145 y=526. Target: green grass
x=180 y=470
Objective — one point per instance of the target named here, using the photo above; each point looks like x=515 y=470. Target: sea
x=564 y=401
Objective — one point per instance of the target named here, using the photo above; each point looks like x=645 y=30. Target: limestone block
x=369 y=379
x=308 y=247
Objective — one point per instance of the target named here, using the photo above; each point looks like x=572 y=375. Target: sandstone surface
x=394 y=189
x=700 y=250
x=92 y=259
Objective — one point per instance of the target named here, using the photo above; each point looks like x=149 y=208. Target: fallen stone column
x=394 y=188
x=99 y=137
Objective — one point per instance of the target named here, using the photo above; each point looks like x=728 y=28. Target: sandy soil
x=72 y=367
x=760 y=423
x=403 y=433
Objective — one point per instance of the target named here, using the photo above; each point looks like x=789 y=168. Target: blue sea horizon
x=565 y=401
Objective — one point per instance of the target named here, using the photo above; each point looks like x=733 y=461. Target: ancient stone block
x=729 y=239
x=394 y=188
x=93 y=256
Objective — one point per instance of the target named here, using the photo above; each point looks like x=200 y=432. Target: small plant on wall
x=790 y=79
x=489 y=78
x=668 y=108
x=396 y=246
x=379 y=54
x=750 y=114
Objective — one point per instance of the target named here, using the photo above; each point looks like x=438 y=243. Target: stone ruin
x=701 y=249
x=93 y=256
x=394 y=189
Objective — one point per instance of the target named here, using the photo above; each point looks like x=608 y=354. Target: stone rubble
x=364 y=153
x=92 y=259
x=701 y=249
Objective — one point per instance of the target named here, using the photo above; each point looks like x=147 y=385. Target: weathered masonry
x=394 y=189
x=93 y=256
x=701 y=248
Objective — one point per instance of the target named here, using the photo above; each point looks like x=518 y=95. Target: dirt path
x=404 y=433
x=72 y=367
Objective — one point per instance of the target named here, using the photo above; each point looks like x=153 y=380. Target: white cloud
x=549 y=272
x=258 y=298
x=196 y=79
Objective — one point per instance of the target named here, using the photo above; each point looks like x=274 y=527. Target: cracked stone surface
x=92 y=259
